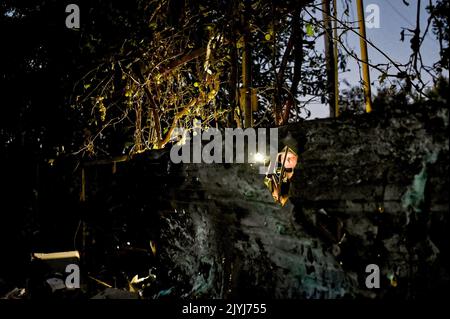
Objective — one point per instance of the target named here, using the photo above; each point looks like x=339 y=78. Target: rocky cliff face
x=367 y=190
x=239 y=243
x=386 y=179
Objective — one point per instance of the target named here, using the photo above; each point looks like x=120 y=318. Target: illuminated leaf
x=153 y=247
x=310 y=30
x=240 y=43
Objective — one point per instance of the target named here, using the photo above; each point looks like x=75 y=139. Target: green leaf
x=309 y=30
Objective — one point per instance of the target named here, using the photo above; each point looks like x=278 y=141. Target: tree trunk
x=247 y=69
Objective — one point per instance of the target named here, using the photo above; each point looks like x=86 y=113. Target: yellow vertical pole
x=364 y=57
x=336 y=60
x=246 y=80
x=247 y=77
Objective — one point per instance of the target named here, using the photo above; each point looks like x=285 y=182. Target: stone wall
x=384 y=179
x=371 y=189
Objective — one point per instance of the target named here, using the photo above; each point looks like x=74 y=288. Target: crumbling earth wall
x=371 y=189
x=383 y=178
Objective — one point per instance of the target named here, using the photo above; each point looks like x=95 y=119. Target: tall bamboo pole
x=364 y=56
x=246 y=70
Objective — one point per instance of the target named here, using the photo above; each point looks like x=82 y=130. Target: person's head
x=291 y=158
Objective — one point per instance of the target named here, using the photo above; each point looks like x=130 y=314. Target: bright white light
x=259 y=158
